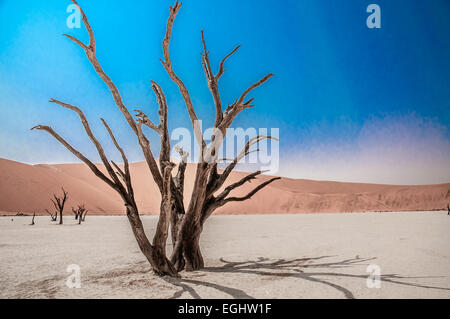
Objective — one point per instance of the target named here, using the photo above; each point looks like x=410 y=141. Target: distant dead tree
x=59 y=202
x=54 y=216
x=80 y=213
x=32 y=220
x=209 y=191
x=83 y=213
x=75 y=212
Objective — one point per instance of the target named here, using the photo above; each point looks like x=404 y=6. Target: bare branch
x=241 y=182
x=234 y=109
x=164 y=131
x=221 y=68
x=144 y=143
x=52 y=216
x=213 y=79
x=126 y=176
x=55 y=204
x=212 y=83
x=119 y=171
x=64 y=197
x=94 y=140
x=88 y=27
x=253 y=192
x=144 y=120
x=206 y=63
x=254 y=86
x=81 y=44
x=167 y=63
x=220 y=180
x=75 y=152
x=150 y=159
x=112 y=87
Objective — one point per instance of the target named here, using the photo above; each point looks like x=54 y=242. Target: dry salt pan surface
x=253 y=256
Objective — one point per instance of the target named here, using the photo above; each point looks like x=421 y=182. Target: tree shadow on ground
x=300 y=268
x=183 y=284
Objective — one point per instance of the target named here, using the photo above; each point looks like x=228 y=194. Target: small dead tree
x=32 y=220
x=75 y=212
x=54 y=216
x=59 y=202
x=83 y=216
x=80 y=213
x=209 y=191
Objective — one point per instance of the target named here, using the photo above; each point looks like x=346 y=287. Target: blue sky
x=351 y=103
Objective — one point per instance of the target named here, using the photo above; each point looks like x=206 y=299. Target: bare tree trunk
x=177 y=215
x=32 y=221
x=191 y=226
x=191 y=247
x=160 y=264
x=162 y=230
x=176 y=258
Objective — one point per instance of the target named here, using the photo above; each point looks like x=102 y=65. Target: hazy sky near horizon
x=351 y=103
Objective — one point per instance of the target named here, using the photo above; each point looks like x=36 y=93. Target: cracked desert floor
x=253 y=256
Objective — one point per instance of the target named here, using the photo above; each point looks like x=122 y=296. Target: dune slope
x=28 y=188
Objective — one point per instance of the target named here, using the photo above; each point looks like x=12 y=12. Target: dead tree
x=59 y=203
x=32 y=220
x=83 y=216
x=80 y=213
x=75 y=213
x=208 y=180
x=207 y=193
x=54 y=216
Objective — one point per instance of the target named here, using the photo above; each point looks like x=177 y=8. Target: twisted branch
x=167 y=63
x=90 y=53
x=241 y=182
x=75 y=152
x=234 y=109
x=253 y=192
x=126 y=176
x=94 y=140
x=219 y=179
x=213 y=79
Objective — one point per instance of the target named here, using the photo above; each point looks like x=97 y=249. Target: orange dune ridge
x=28 y=188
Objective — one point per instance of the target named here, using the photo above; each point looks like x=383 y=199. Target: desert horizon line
x=238 y=171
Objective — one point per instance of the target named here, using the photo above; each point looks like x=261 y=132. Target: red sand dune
x=27 y=188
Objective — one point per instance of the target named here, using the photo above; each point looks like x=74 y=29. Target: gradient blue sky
x=352 y=103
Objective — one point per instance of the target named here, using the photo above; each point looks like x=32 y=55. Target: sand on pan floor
x=256 y=256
